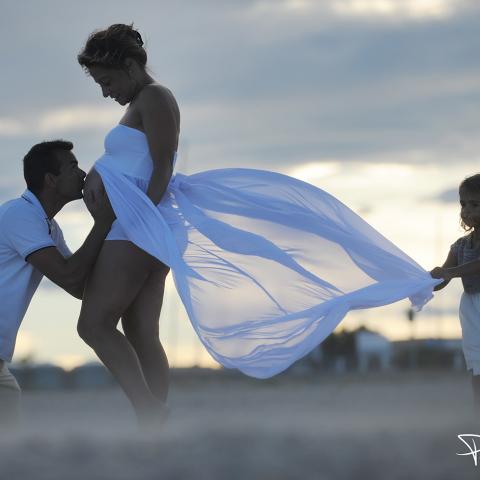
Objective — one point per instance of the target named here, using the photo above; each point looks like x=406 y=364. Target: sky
x=375 y=101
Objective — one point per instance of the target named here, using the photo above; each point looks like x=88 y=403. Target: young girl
x=464 y=261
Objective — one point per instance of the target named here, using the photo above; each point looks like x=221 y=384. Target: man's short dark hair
x=40 y=160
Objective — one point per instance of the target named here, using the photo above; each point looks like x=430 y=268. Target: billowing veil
x=266 y=265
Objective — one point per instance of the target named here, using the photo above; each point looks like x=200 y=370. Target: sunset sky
x=375 y=101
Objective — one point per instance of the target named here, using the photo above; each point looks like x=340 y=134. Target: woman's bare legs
x=140 y=324
x=116 y=280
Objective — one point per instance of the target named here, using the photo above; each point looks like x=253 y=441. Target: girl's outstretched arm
x=470 y=268
x=445 y=271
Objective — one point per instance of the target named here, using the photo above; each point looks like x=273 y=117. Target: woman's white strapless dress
x=265 y=265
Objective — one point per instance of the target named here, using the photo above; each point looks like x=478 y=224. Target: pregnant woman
x=266 y=265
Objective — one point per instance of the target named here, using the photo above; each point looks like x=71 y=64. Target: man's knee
x=7 y=381
x=10 y=398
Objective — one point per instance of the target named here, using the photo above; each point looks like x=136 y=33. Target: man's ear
x=49 y=180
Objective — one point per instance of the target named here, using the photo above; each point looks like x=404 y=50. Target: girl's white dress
x=266 y=265
x=470 y=322
x=469 y=312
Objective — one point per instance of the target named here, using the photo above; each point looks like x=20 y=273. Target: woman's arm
x=443 y=271
x=159 y=120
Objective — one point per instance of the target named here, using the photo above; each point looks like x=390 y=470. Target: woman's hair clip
x=139 y=38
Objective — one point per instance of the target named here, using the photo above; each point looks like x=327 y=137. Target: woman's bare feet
x=154 y=417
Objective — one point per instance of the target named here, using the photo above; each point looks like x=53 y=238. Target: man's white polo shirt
x=24 y=229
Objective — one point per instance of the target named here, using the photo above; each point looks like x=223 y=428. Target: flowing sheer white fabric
x=265 y=265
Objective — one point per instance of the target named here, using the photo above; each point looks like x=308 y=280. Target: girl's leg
x=140 y=324
x=116 y=279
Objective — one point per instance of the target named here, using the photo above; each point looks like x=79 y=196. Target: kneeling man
x=32 y=245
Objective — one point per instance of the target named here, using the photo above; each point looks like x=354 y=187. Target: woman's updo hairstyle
x=110 y=47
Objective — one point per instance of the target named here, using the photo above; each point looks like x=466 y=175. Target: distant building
x=429 y=353
x=374 y=351
x=363 y=350
x=360 y=350
x=90 y=375
x=40 y=377
x=51 y=377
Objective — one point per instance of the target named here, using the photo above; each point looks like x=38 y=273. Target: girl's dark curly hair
x=471 y=185
x=110 y=47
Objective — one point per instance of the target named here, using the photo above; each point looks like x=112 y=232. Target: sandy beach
x=395 y=426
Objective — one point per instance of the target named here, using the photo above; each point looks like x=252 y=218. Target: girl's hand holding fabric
x=439 y=272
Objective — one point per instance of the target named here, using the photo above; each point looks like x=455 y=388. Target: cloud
x=266 y=83
x=312 y=171
x=10 y=127
x=361 y=10
x=78 y=117
x=69 y=361
x=447 y=196
x=56 y=121
x=417 y=9
x=25 y=345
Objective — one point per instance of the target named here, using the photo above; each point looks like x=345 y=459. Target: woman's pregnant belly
x=93 y=188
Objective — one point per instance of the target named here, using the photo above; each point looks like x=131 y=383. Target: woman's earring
x=135 y=86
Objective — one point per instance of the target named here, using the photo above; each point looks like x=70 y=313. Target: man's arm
x=70 y=273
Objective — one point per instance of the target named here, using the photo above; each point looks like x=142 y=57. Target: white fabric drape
x=266 y=265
